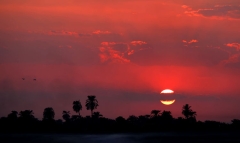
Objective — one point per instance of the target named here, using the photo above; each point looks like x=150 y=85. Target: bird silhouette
x=23 y=78
x=34 y=79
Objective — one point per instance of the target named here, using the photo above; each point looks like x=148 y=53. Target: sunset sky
x=123 y=51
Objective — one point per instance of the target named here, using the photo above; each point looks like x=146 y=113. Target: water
x=164 y=137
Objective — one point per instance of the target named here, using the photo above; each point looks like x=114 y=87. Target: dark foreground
x=164 y=137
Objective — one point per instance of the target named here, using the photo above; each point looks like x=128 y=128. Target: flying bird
x=23 y=78
x=34 y=79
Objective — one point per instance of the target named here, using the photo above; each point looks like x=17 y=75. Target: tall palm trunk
x=91 y=113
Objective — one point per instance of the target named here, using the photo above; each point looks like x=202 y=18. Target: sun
x=167 y=91
x=167 y=102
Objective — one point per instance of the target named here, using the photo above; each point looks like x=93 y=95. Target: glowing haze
x=124 y=52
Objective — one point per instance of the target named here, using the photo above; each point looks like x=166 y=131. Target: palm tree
x=48 y=113
x=66 y=115
x=155 y=113
x=77 y=106
x=188 y=112
x=91 y=103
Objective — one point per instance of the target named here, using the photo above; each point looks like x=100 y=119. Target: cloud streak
x=219 y=11
x=234 y=45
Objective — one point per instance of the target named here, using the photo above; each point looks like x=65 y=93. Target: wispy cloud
x=70 y=33
x=119 y=51
x=101 y=32
x=234 y=45
x=189 y=42
x=233 y=61
x=138 y=43
x=219 y=11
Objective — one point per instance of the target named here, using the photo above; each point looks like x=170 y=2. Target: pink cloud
x=70 y=33
x=191 y=41
x=235 y=58
x=101 y=32
x=138 y=43
x=108 y=43
x=234 y=45
x=218 y=11
x=130 y=52
x=109 y=54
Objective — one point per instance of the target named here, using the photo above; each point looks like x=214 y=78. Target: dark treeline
x=156 y=120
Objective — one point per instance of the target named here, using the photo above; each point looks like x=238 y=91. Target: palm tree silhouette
x=48 y=113
x=66 y=115
x=155 y=113
x=91 y=103
x=188 y=112
x=77 y=106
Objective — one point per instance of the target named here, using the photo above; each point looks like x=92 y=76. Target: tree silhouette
x=155 y=113
x=48 y=113
x=91 y=103
x=166 y=116
x=13 y=115
x=97 y=115
x=26 y=115
x=187 y=112
x=77 y=106
x=132 y=119
x=66 y=115
x=120 y=120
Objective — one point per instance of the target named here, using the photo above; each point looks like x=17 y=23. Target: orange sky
x=125 y=52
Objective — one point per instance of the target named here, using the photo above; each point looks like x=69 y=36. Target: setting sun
x=167 y=91
x=167 y=102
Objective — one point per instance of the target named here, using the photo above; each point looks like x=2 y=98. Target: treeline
x=24 y=121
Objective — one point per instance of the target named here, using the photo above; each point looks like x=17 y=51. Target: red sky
x=124 y=52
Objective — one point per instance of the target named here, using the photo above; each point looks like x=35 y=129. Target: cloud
x=234 y=45
x=70 y=33
x=232 y=62
x=219 y=11
x=113 y=52
x=130 y=52
x=138 y=43
x=190 y=42
x=108 y=43
x=54 y=32
x=110 y=55
x=193 y=41
x=118 y=51
x=101 y=32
